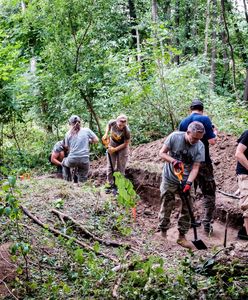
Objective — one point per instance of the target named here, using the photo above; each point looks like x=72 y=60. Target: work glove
x=187 y=187
x=177 y=164
x=111 y=150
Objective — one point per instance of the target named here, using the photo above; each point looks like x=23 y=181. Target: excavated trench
x=145 y=168
x=147 y=186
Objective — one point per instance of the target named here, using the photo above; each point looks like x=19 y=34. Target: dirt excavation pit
x=145 y=168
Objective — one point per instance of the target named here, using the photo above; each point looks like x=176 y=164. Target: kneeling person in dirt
x=77 y=140
x=57 y=156
x=117 y=148
x=242 y=173
x=187 y=149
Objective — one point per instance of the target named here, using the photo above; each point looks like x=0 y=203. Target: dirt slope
x=145 y=168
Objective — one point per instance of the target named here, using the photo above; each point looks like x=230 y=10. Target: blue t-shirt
x=209 y=133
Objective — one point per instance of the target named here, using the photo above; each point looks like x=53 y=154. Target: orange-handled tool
x=179 y=172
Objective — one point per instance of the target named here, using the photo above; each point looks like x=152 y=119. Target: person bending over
x=187 y=149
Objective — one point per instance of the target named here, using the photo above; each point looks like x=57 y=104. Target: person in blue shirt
x=205 y=178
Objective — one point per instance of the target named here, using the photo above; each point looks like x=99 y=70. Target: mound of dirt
x=145 y=168
x=222 y=154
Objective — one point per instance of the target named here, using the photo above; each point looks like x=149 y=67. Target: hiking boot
x=242 y=234
x=183 y=242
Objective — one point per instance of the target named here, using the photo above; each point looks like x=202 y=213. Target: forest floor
x=100 y=214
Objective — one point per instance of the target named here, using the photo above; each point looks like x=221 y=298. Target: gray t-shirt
x=58 y=147
x=79 y=144
x=181 y=150
x=117 y=136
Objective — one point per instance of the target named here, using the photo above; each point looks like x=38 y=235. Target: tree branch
x=63 y=216
x=58 y=233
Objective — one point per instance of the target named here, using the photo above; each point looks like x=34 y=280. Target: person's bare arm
x=240 y=155
x=213 y=140
x=193 y=173
x=54 y=159
x=163 y=153
x=107 y=129
x=94 y=140
x=118 y=148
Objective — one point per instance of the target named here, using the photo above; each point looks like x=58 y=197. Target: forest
x=100 y=59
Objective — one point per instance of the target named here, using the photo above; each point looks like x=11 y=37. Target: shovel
x=106 y=144
x=226 y=226
x=199 y=244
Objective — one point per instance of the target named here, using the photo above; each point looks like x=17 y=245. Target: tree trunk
x=44 y=110
x=194 y=27
x=177 y=23
x=154 y=11
x=138 y=50
x=225 y=55
x=230 y=45
x=91 y=111
x=213 y=52
x=245 y=96
x=187 y=26
x=245 y=9
x=133 y=17
x=206 y=29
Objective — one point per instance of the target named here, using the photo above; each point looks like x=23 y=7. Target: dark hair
x=197 y=105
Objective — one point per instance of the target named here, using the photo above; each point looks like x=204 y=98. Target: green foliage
x=127 y=196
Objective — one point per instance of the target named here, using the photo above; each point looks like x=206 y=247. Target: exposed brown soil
x=145 y=168
x=7 y=269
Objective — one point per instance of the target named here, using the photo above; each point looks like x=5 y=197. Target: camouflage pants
x=119 y=161
x=205 y=181
x=167 y=206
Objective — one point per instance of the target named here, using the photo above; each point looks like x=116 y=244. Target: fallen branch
x=117 y=285
x=228 y=194
x=58 y=233
x=129 y=265
x=63 y=216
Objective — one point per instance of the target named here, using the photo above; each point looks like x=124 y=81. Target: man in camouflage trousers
x=205 y=179
x=180 y=149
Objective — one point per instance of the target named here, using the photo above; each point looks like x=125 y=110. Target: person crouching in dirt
x=205 y=177
x=117 y=148
x=57 y=156
x=77 y=140
x=242 y=173
x=180 y=148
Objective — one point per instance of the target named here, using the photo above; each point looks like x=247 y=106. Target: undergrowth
x=49 y=267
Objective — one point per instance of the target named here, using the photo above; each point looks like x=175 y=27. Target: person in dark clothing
x=242 y=173
x=57 y=156
x=205 y=178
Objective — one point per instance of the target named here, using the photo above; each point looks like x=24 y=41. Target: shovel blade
x=199 y=244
